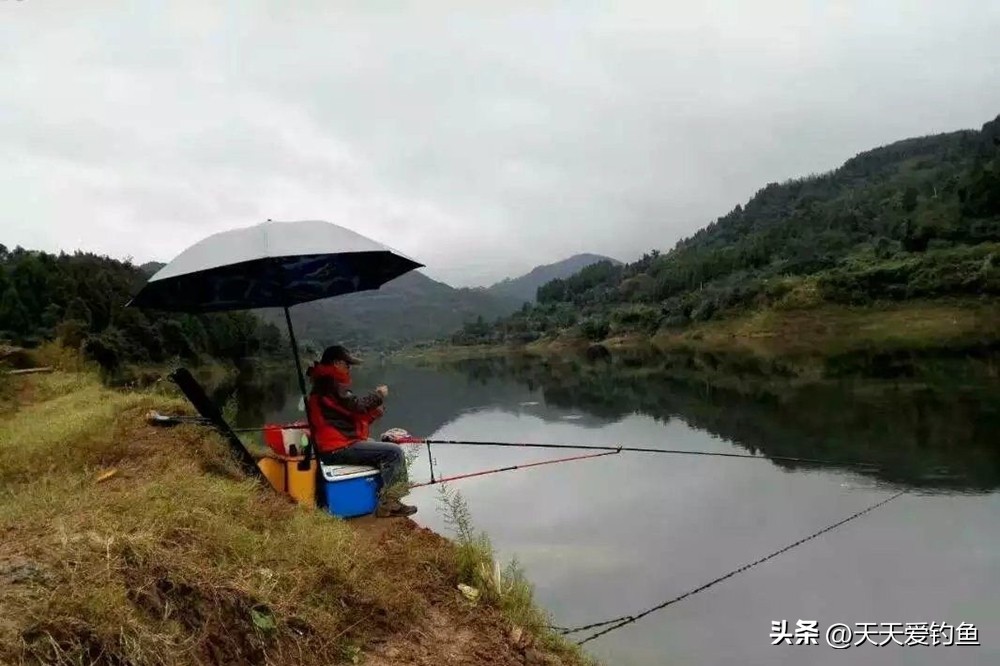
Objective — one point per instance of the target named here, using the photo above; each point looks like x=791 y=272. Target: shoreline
x=820 y=332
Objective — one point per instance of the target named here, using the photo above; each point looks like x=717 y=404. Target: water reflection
x=930 y=424
x=935 y=429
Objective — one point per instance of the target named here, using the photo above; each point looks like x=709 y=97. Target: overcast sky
x=480 y=142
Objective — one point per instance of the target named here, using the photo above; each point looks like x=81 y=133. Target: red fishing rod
x=511 y=468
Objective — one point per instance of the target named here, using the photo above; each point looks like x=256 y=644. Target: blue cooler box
x=351 y=490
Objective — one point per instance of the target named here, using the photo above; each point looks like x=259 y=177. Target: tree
x=175 y=342
x=78 y=310
x=13 y=316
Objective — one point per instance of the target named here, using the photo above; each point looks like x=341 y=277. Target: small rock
x=470 y=593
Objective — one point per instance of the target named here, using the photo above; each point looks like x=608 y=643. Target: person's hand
x=382 y=390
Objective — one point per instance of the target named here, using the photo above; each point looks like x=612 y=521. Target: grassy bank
x=831 y=330
x=818 y=332
x=126 y=544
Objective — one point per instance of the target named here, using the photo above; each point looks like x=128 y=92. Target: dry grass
x=178 y=559
x=836 y=329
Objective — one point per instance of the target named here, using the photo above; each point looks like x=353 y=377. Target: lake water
x=617 y=535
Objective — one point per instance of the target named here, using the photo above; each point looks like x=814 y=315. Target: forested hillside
x=525 y=288
x=415 y=308
x=80 y=300
x=917 y=219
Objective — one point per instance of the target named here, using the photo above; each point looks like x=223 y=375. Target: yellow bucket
x=301 y=484
x=274 y=471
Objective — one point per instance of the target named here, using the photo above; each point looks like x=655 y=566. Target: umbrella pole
x=295 y=353
x=307 y=461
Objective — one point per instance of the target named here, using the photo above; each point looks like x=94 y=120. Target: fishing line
x=619 y=622
x=511 y=468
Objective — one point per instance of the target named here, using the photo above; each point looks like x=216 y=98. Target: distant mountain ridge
x=524 y=288
x=413 y=307
x=150 y=268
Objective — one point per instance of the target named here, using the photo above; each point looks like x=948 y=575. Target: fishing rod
x=156 y=418
x=607 y=626
x=400 y=436
x=410 y=439
x=511 y=468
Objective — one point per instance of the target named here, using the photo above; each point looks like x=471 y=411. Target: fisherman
x=341 y=421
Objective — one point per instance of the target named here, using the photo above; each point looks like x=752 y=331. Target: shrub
x=643 y=318
x=72 y=332
x=595 y=328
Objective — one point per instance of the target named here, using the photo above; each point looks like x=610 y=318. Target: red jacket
x=338 y=416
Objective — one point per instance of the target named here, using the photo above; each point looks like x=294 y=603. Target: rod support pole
x=430 y=461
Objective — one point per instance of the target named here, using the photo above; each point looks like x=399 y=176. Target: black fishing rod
x=633 y=449
x=607 y=626
x=155 y=418
x=404 y=437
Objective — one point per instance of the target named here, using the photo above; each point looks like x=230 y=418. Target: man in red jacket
x=341 y=421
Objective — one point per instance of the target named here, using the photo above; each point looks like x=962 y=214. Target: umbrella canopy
x=273 y=264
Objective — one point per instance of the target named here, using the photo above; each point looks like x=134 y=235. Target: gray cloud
x=480 y=141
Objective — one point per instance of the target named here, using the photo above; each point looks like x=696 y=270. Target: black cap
x=339 y=353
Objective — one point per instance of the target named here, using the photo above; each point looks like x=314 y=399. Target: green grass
x=177 y=558
x=506 y=587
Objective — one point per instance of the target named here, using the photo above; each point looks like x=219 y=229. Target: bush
x=640 y=318
x=704 y=310
x=59 y=356
x=71 y=333
x=595 y=328
x=105 y=350
x=803 y=295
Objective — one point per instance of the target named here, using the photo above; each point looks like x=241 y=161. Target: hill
x=415 y=308
x=150 y=267
x=411 y=308
x=915 y=220
x=524 y=288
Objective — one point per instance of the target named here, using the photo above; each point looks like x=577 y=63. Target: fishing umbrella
x=272 y=265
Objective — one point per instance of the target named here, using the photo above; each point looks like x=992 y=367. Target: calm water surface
x=619 y=534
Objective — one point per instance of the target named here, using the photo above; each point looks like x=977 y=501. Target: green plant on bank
x=505 y=587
